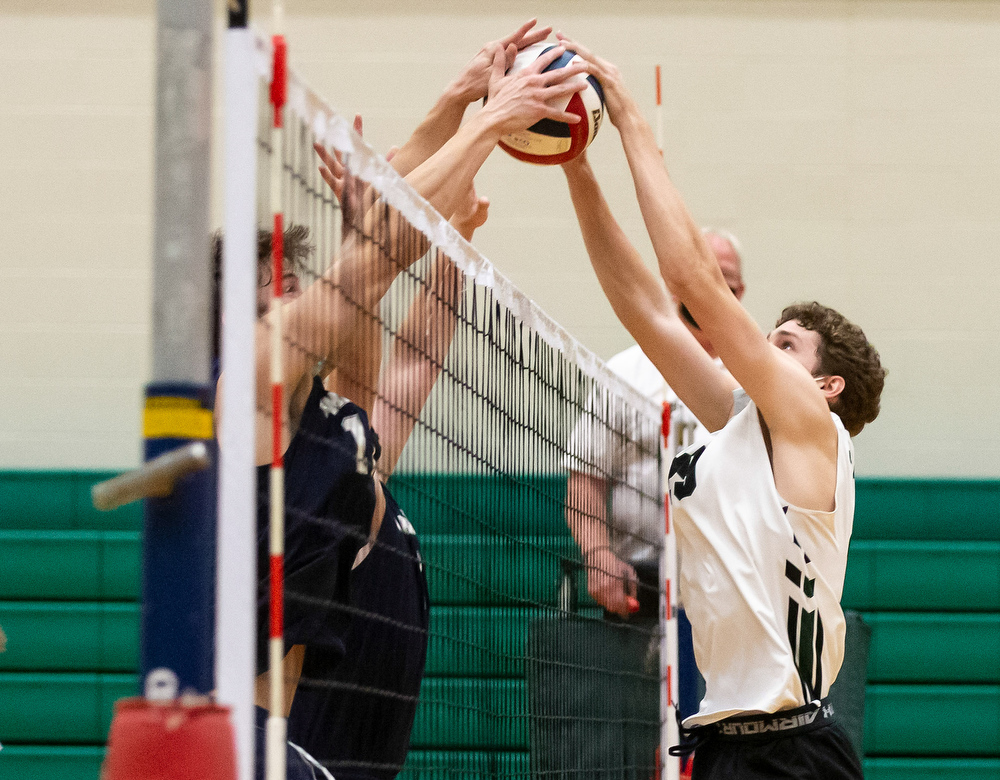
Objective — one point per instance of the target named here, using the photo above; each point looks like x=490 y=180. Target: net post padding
x=236 y=581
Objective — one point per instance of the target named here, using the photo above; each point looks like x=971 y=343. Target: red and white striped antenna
x=669 y=766
x=276 y=724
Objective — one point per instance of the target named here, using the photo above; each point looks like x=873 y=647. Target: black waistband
x=780 y=724
x=756 y=727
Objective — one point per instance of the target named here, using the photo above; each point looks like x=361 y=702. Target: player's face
x=729 y=263
x=798 y=342
x=290 y=290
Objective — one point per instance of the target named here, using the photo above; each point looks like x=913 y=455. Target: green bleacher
x=924 y=571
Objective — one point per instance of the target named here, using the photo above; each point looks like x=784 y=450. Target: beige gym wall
x=854 y=147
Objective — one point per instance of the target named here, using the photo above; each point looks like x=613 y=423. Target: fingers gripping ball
x=549 y=142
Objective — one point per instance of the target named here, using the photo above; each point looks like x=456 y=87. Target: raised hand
x=518 y=100
x=471 y=215
x=616 y=97
x=332 y=170
x=472 y=83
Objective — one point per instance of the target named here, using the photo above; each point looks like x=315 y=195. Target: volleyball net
x=458 y=639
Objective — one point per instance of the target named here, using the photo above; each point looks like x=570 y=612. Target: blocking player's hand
x=332 y=169
x=518 y=100
x=611 y=582
x=473 y=82
x=472 y=214
x=617 y=99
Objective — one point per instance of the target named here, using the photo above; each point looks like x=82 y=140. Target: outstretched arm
x=516 y=101
x=326 y=315
x=780 y=387
x=472 y=84
x=384 y=244
x=445 y=116
x=421 y=345
x=794 y=408
x=643 y=305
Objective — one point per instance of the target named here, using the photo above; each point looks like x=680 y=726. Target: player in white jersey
x=763 y=512
x=622 y=546
x=620 y=532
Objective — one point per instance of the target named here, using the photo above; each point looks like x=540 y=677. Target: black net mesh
x=459 y=640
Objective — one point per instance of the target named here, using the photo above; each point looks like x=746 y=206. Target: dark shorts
x=820 y=753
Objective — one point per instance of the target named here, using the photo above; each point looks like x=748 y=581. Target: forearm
x=445 y=178
x=337 y=315
x=634 y=291
x=421 y=346
x=440 y=124
x=683 y=257
x=643 y=305
x=587 y=511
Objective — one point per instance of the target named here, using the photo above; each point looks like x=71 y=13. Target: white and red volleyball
x=549 y=142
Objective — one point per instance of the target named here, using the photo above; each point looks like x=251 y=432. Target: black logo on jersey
x=683 y=467
x=805 y=633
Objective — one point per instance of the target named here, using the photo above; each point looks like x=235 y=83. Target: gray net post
x=177 y=643
x=182 y=277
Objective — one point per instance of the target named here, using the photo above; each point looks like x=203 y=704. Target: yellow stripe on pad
x=170 y=417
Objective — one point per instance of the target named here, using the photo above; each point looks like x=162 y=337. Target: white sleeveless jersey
x=635 y=523
x=761 y=580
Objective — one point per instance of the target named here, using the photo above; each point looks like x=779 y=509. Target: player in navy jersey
x=354 y=710
x=346 y=517
x=763 y=511
x=355 y=714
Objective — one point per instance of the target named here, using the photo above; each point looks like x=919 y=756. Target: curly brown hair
x=297 y=251
x=296 y=246
x=844 y=351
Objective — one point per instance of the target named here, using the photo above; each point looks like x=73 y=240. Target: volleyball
x=549 y=142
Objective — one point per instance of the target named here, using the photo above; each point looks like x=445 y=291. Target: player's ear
x=832 y=386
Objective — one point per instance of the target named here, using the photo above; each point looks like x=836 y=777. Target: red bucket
x=170 y=741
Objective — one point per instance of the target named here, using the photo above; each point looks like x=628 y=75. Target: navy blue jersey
x=355 y=713
x=329 y=501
